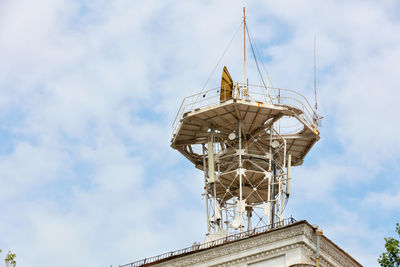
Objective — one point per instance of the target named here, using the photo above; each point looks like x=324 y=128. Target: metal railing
x=200 y=247
x=256 y=93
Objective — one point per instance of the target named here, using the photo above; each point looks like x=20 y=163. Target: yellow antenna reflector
x=226 y=85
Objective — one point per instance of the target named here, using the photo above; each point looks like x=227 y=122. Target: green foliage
x=10 y=258
x=391 y=258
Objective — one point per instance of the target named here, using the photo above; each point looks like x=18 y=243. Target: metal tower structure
x=245 y=138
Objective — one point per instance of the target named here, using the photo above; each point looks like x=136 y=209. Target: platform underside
x=256 y=118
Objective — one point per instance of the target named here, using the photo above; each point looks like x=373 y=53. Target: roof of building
x=287 y=223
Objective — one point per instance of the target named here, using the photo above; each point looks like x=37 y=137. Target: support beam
x=288 y=174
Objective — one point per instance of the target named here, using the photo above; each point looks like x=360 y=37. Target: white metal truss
x=250 y=189
x=246 y=152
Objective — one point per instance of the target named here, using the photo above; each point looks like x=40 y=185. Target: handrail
x=204 y=246
x=256 y=93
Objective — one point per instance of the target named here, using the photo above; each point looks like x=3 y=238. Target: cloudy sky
x=89 y=90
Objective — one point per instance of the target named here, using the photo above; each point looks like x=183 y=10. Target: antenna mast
x=244 y=51
x=315 y=76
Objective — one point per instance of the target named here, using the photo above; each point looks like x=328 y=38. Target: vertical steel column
x=273 y=193
x=288 y=175
x=211 y=175
x=281 y=185
x=280 y=210
x=205 y=188
x=270 y=149
x=249 y=214
x=240 y=174
x=271 y=181
x=221 y=224
x=269 y=199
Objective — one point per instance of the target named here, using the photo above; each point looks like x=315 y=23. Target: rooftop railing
x=218 y=242
x=255 y=93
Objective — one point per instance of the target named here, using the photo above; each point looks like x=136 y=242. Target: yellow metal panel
x=226 y=85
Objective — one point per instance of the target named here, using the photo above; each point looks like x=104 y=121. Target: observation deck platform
x=257 y=111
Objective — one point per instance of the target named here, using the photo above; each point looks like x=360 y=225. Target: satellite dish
x=275 y=144
x=232 y=136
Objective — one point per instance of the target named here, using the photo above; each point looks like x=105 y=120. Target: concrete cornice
x=300 y=235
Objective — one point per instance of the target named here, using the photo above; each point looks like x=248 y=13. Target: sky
x=89 y=91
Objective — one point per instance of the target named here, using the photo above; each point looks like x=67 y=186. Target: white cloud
x=349 y=231
x=97 y=85
x=29 y=166
x=382 y=201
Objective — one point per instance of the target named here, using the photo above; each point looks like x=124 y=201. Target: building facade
x=294 y=245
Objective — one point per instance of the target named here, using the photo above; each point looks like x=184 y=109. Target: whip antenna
x=315 y=76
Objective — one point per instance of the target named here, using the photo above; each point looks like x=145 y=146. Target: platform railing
x=200 y=247
x=255 y=93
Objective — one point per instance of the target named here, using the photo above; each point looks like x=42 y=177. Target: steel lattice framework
x=245 y=145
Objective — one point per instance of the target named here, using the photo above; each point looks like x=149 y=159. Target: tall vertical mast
x=240 y=123
x=244 y=46
x=315 y=76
